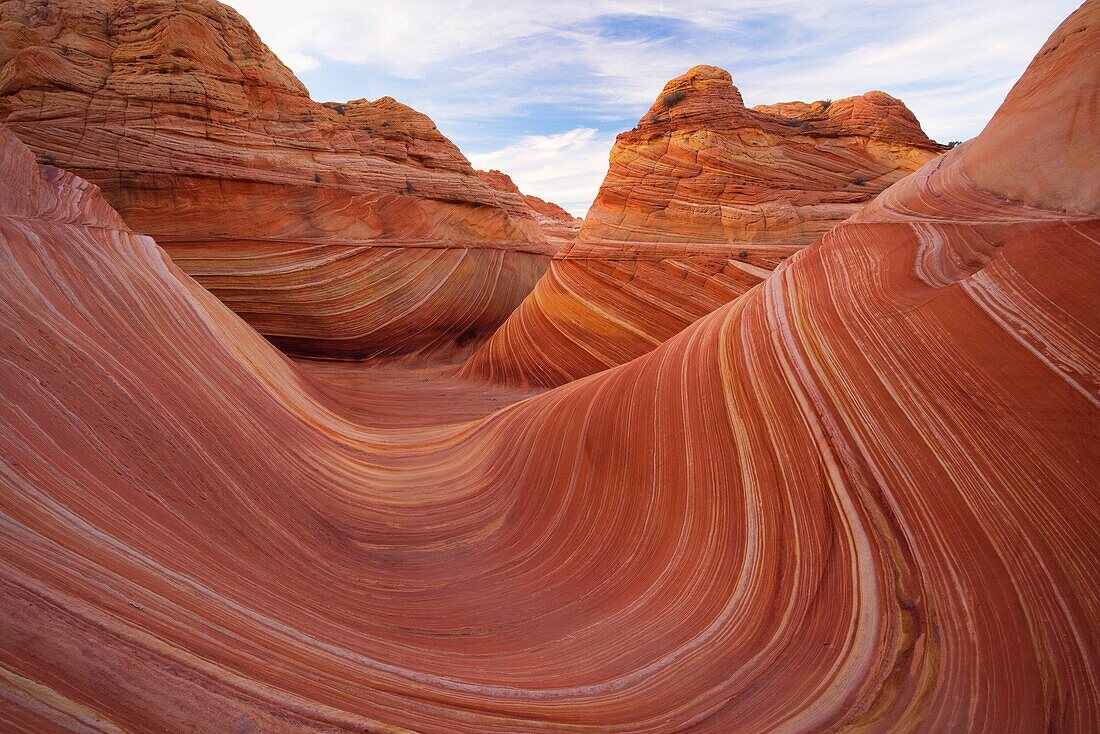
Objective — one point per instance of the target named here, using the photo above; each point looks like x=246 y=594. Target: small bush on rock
x=670 y=99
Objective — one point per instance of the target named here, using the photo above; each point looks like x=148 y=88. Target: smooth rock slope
x=860 y=498
x=703 y=199
x=340 y=230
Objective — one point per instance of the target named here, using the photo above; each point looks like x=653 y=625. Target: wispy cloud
x=510 y=81
x=566 y=168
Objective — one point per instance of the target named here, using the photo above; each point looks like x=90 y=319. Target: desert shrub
x=670 y=99
x=860 y=181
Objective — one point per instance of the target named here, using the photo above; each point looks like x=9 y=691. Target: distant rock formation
x=340 y=230
x=703 y=199
x=559 y=226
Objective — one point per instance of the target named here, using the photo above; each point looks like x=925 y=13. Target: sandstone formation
x=346 y=230
x=702 y=201
x=559 y=226
x=860 y=498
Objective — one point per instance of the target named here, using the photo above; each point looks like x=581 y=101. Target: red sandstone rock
x=559 y=226
x=346 y=230
x=702 y=201
x=860 y=498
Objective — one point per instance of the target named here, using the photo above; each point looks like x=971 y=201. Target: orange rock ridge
x=702 y=201
x=343 y=230
x=559 y=226
x=860 y=498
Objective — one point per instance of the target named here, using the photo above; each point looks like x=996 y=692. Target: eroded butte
x=703 y=199
x=350 y=230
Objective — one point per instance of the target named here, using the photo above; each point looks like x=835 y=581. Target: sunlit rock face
x=860 y=498
x=702 y=200
x=341 y=230
x=559 y=226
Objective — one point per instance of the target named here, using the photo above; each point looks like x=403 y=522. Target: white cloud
x=565 y=168
x=509 y=74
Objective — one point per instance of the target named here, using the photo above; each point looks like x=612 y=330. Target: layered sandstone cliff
x=860 y=498
x=347 y=230
x=559 y=226
x=703 y=199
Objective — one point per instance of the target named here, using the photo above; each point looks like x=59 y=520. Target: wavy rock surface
x=347 y=230
x=861 y=498
x=559 y=226
x=702 y=201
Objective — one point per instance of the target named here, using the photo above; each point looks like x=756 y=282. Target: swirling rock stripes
x=703 y=199
x=419 y=300
x=859 y=497
x=588 y=314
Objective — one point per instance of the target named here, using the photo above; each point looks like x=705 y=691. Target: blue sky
x=540 y=89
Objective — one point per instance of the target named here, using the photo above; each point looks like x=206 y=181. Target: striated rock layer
x=702 y=201
x=860 y=498
x=346 y=230
x=559 y=226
